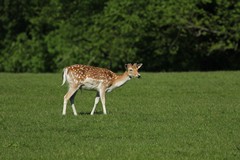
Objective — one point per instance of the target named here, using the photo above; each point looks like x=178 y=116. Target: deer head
x=132 y=70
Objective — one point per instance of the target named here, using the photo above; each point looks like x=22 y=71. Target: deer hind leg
x=95 y=103
x=72 y=103
x=70 y=94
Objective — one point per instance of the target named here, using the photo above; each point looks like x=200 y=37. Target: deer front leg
x=102 y=96
x=95 y=103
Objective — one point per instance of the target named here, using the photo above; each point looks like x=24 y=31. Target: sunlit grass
x=161 y=116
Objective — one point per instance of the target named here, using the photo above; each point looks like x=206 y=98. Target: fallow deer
x=93 y=78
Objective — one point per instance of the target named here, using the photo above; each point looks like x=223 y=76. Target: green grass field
x=193 y=115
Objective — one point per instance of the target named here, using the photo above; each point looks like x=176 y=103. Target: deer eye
x=130 y=69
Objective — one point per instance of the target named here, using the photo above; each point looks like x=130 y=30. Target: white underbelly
x=89 y=87
x=91 y=84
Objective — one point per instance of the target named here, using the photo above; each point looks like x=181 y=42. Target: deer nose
x=139 y=76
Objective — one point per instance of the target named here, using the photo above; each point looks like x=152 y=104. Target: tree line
x=164 y=35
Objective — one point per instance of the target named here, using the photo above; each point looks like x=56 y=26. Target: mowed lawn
x=193 y=115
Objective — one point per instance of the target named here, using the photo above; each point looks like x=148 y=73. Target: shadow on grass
x=89 y=113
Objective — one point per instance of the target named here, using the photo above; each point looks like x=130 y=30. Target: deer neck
x=119 y=81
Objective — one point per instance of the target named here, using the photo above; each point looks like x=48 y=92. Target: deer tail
x=64 y=75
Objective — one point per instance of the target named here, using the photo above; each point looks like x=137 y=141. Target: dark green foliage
x=47 y=35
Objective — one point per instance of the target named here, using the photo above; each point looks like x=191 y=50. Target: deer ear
x=127 y=65
x=139 y=65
